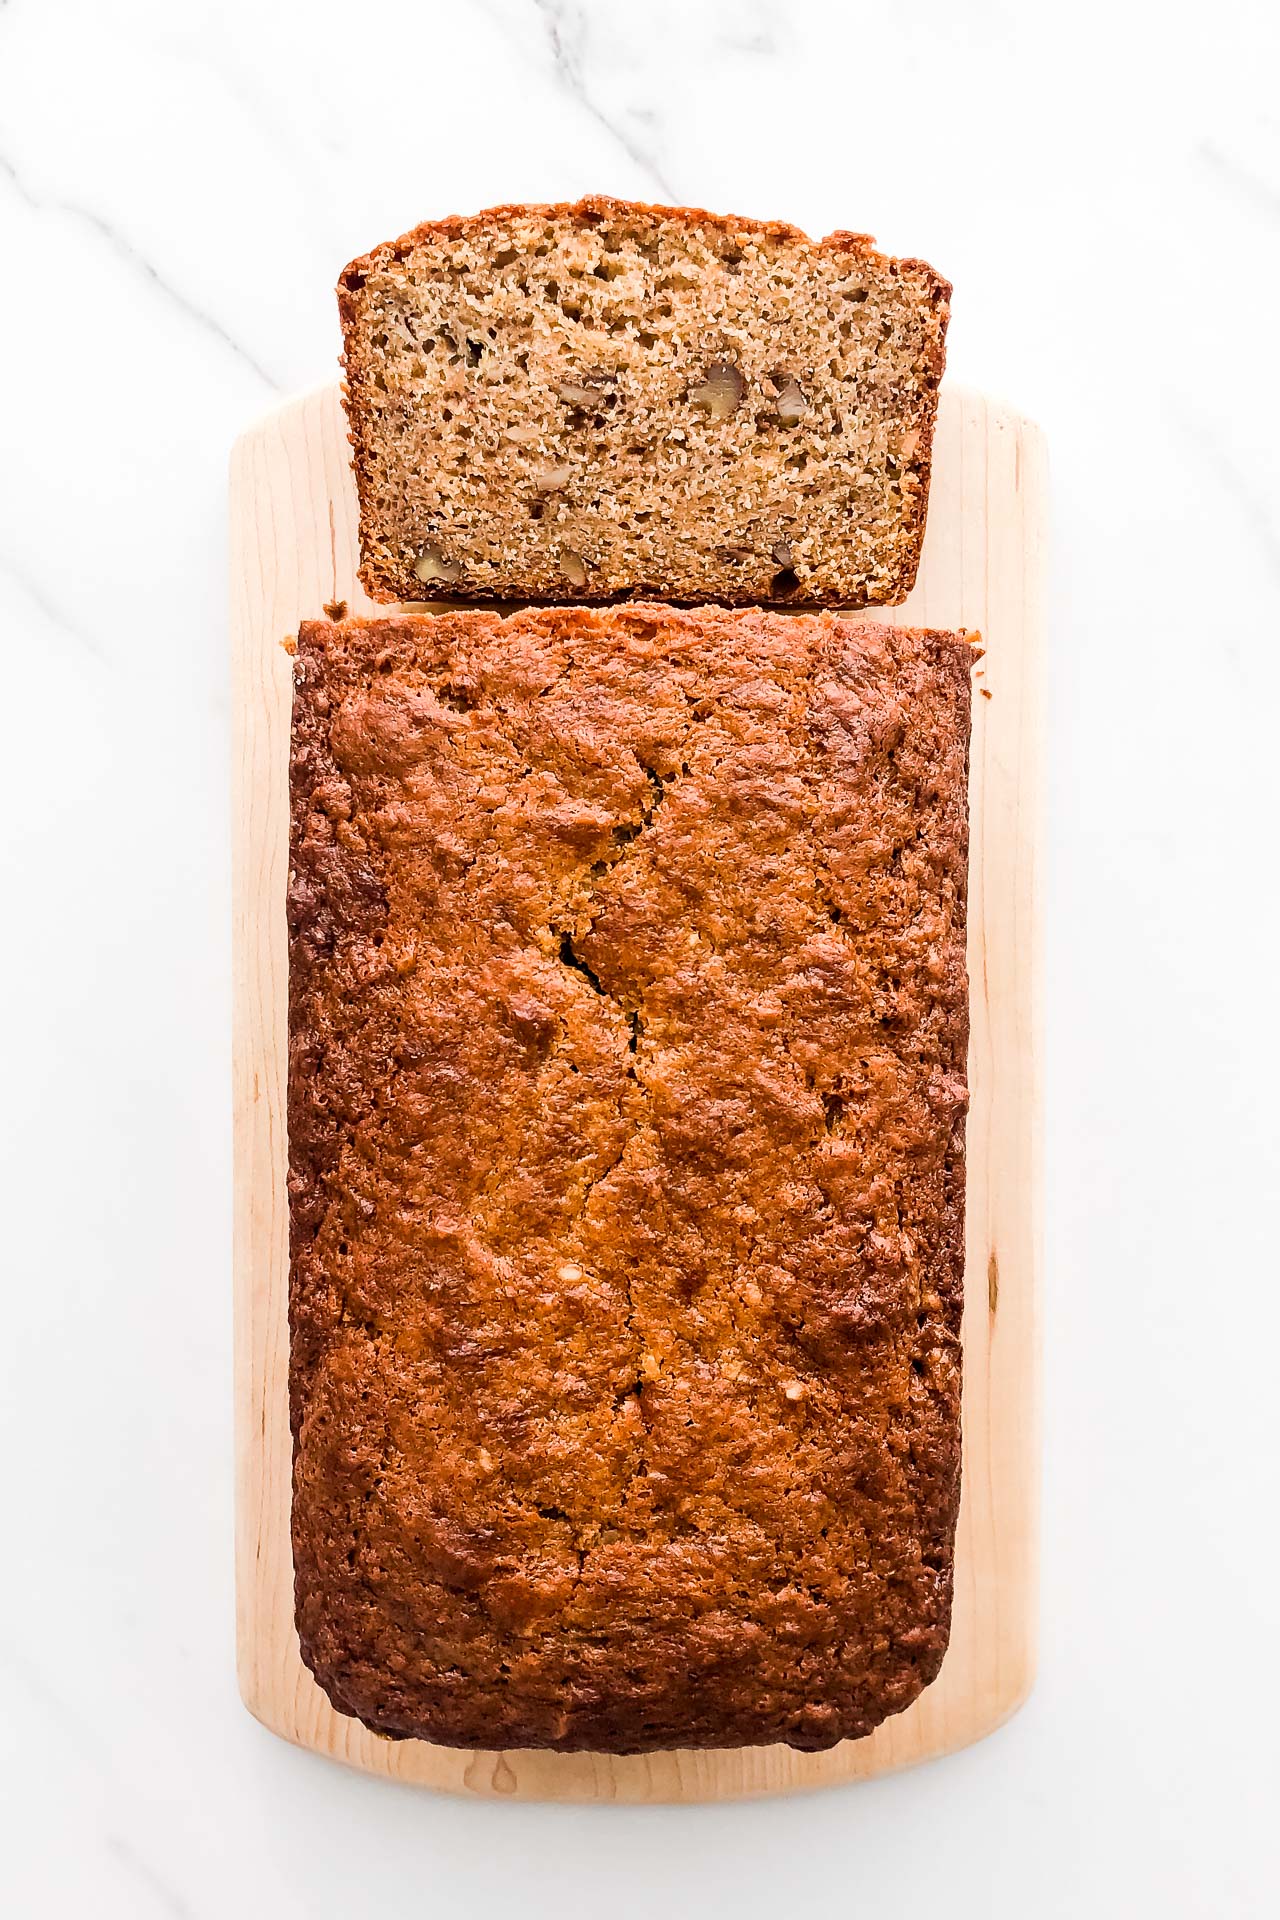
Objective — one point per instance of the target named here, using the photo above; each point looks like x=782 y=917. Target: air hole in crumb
x=459 y=698
x=786 y=580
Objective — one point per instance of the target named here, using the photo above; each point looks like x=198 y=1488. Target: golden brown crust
x=846 y=494
x=601 y=206
x=628 y=1023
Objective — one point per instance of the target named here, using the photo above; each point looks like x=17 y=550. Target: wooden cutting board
x=293 y=547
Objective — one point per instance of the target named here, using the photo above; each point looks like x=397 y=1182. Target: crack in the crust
x=559 y=1517
x=629 y=830
x=833 y=913
x=634 y=1391
x=596 y=1180
x=569 y=957
x=561 y=674
x=623 y=836
x=835 y=1099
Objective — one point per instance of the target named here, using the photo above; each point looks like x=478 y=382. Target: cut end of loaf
x=607 y=400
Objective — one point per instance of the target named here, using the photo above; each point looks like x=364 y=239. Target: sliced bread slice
x=601 y=400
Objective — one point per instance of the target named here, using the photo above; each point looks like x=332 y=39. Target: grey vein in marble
x=566 y=36
x=59 y=1710
x=166 y=1897
x=125 y=251
x=759 y=43
x=53 y=614
x=1243 y=183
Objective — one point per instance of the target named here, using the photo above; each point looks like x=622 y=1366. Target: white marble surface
x=179 y=184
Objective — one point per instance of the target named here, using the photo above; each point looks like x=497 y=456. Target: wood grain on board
x=293 y=547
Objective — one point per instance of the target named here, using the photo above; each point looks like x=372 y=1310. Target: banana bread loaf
x=628 y=1022
x=605 y=400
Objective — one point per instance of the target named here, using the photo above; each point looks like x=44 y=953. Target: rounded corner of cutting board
x=261 y=1705
x=294 y=548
